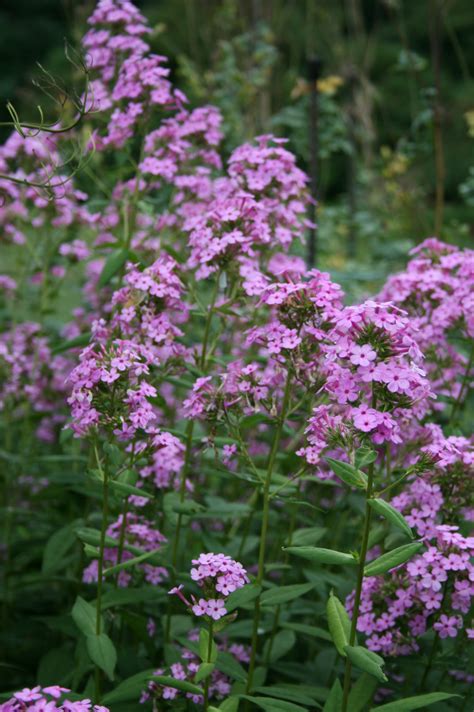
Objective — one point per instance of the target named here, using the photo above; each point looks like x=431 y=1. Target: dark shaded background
x=249 y=57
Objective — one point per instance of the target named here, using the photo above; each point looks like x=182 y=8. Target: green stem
x=188 y=453
x=209 y=656
x=276 y=619
x=264 y=527
x=360 y=579
x=105 y=512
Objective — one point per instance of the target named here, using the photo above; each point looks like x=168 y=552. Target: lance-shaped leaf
x=414 y=703
x=113 y=264
x=339 y=624
x=334 y=700
x=361 y=693
x=131 y=562
x=321 y=556
x=271 y=704
x=126 y=490
x=348 y=473
x=84 y=616
x=242 y=596
x=183 y=685
x=102 y=652
x=392 y=514
x=367 y=661
x=204 y=670
x=283 y=594
x=129 y=689
x=393 y=558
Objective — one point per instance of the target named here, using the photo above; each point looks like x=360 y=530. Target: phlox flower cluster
x=136 y=531
x=218 y=575
x=374 y=379
x=32 y=379
x=47 y=699
x=436 y=588
x=129 y=79
x=436 y=290
x=110 y=391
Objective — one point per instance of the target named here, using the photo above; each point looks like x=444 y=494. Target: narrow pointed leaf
x=367 y=661
x=362 y=692
x=414 y=703
x=334 y=700
x=131 y=562
x=348 y=473
x=113 y=264
x=205 y=669
x=393 y=558
x=242 y=596
x=321 y=556
x=271 y=704
x=183 y=685
x=392 y=514
x=130 y=689
x=283 y=594
x=102 y=652
x=84 y=616
x=339 y=624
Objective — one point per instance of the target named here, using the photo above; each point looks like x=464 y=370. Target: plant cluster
x=188 y=412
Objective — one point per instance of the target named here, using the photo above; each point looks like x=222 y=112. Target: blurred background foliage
x=395 y=97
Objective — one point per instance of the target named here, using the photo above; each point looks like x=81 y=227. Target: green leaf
x=307 y=536
x=102 y=652
x=311 y=630
x=364 y=456
x=125 y=596
x=285 y=694
x=362 y=692
x=204 y=647
x=183 y=685
x=348 y=473
x=242 y=596
x=231 y=704
x=204 y=670
x=127 y=490
x=130 y=689
x=113 y=264
x=270 y=704
x=227 y=664
x=339 y=624
x=321 y=556
x=367 y=661
x=283 y=642
x=282 y=594
x=77 y=341
x=392 y=514
x=57 y=547
x=393 y=558
x=415 y=703
x=189 y=506
x=84 y=616
x=131 y=562
x=334 y=700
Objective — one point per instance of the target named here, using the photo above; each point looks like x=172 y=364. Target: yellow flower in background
x=330 y=85
x=469 y=116
x=396 y=164
x=327 y=85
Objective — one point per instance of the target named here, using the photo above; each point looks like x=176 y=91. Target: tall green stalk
x=264 y=527
x=360 y=580
x=188 y=451
x=105 y=513
x=209 y=656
